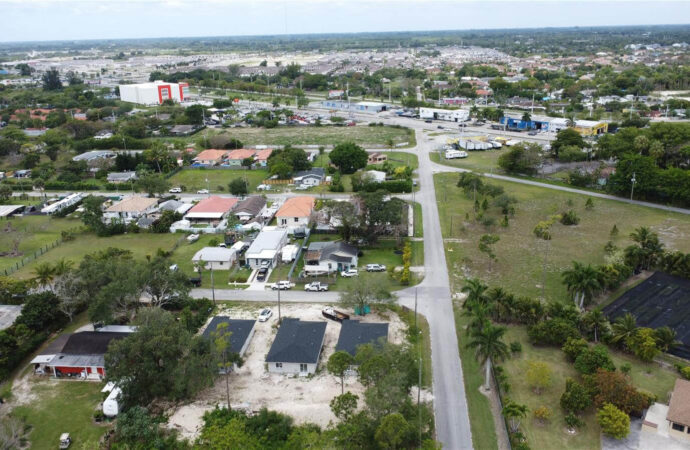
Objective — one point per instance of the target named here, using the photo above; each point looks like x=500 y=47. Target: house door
x=303 y=368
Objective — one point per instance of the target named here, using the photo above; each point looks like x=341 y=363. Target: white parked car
x=263 y=187
x=376 y=268
x=174 y=267
x=282 y=285
x=175 y=190
x=202 y=191
x=192 y=238
x=265 y=314
x=316 y=286
x=303 y=187
x=349 y=273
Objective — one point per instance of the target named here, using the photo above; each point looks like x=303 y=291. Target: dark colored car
x=261 y=276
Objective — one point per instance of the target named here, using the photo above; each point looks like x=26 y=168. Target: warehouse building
x=153 y=93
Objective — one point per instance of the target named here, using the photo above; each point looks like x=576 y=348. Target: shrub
x=539 y=376
x=570 y=218
x=573 y=347
x=592 y=359
x=576 y=397
x=685 y=372
x=552 y=332
x=572 y=421
x=515 y=347
x=613 y=421
x=542 y=414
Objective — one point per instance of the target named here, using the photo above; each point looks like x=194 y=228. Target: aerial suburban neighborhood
x=341 y=237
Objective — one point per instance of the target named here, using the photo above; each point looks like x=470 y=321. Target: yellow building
x=590 y=127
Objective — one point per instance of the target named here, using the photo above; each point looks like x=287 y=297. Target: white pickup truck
x=316 y=286
x=282 y=285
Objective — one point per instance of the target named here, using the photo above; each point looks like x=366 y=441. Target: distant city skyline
x=48 y=20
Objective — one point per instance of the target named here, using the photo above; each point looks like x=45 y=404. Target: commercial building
x=153 y=93
x=516 y=122
x=451 y=115
x=370 y=107
x=584 y=127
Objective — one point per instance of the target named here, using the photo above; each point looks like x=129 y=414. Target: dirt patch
x=252 y=387
x=497 y=413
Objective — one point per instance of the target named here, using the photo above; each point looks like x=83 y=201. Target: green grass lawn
x=141 y=244
x=34 y=232
x=418 y=220
x=520 y=255
x=422 y=347
x=480 y=161
x=481 y=419
x=650 y=377
x=183 y=254
x=195 y=179
x=63 y=407
x=326 y=135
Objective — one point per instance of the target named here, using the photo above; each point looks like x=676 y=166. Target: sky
x=47 y=20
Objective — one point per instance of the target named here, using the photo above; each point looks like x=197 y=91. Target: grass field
x=63 y=407
x=195 y=179
x=479 y=161
x=422 y=348
x=650 y=377
x=520 y=255
x=141 y=244
x=34 y=232
x=326 y=135
x=418 y=220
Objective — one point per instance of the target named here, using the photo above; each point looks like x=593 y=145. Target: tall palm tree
x=651 y=248
x=583 y=282
x=475 y=289
x=479 y=317
x=596 y=321
x=489 y=346
x=623 y=328
x=514 y=412
x=666 y=338
x=44 y=274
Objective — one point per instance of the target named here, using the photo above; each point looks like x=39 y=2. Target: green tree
x=596 y=321
x=92 y=216
x=643 y=344
x=164 y=286
x=5 y=192
x=226 y=357
x=344 y=406
x=44 y=274
x=521 y=159
x=666 y=338
x=475 y=290
x=338 y=364
x=51 y=80
x=576 y=397
x=194 y=114
x=486 y=243
x=348 y=157
x=565 y=138
x=366 y=289
x=539 y=375
x=393 y=431
x=623 y=328
x=583 y=283
x=489 y=346
x=613 y=421
x=238 y=186
x=514 y=412
x=592 y=359
x=152 y=184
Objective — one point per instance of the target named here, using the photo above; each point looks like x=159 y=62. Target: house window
x=283 y=221
x=279 y=365
x=221 y=263
x=302 y=367
x=678 y=427
x=296 y=219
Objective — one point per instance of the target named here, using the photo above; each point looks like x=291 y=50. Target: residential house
x=375 y=176
x=329 y=257
x=22 y=173
x=264 y=250
x=261 y=157
x=670 y=421
x=211 y=210
x=354 y=333
x=216 y=258
x=376 y=158
x=103 y=134
x=295 y=212
x=175 y=206
x=81 y=354
x=235 y=157
x=311 y=177
x=182 y=130
x=249 y=208
x=121 y=177
x=210 y=157
x=297 y=347
x=240 y=332
x=129 y=209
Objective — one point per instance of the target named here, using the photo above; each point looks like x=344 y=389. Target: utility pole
x=415 y=308
x=280 y=320
x=632 y=187
x=213 y=286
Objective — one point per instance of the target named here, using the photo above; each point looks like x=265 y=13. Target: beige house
x=130 y=209
x=672 y=420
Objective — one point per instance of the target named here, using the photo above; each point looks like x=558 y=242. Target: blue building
x=516 y=123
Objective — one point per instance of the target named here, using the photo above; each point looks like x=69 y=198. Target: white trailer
x=454 y=154
x=111 y=407
x=66 y=202
x=289 y=253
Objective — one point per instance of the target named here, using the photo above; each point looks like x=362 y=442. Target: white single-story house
x=266 y=248
x=375 y=176
x=216 y=258
x=297 y=347
x=130 y=209
x=121 y=177
x=311 y=177
x=329 y=257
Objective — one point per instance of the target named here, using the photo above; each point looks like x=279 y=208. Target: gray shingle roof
x=353 y=333
x=239 y=329
x=251 y=205
x=297 y=342
x=334 y=251
x=316 y=171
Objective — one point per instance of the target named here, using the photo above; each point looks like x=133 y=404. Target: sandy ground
x=252 y=387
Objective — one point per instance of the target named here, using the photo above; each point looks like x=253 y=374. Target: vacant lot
x=650 y=377
x=305 y=399
x=141 y=244
x=32 y=233
x=218 y=180
x=57 y=407
x=520 y=255
x=326 y=135
x=479 y=161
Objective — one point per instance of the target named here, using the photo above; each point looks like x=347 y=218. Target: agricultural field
x=520 y=256
x=327 y=135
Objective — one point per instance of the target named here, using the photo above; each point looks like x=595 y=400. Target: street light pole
x=213 y=286
x=280 y=320
x=632 y=187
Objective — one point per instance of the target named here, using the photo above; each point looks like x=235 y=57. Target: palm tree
x=62 y=267
x=474 y=111
x=527 y=118
x=474 y=288
x=595 y=320
x=44 y=274
x=514 y=412
x=651 y=248
x=583 y=282
x=502 y=302
x=479 y=317
x=666 y=338
x=489 y=346
x=623 y=328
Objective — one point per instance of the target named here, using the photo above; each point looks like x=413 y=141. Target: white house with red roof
x=211 y=210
